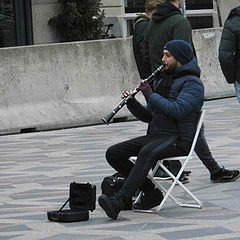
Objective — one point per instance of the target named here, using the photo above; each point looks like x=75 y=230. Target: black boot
x=149 y=200
x=111 y=205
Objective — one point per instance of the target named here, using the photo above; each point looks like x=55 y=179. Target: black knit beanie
x=181 y=50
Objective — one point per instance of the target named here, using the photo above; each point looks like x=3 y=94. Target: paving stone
x=74 y=237
x=8 y=237
x=196 y=233
x=37 y=168
x=15 y=228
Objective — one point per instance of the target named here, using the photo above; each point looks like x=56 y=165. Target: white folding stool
x=176 y=181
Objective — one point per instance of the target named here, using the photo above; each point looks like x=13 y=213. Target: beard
x=171 y=68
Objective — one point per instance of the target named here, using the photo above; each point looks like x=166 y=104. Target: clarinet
x=149 y=79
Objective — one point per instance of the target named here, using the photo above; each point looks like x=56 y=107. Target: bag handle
x=64 y=205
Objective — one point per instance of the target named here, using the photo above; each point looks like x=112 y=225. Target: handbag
x=112 y=184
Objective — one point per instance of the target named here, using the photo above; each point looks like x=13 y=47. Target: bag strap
x=118 y=175
x=64 y=204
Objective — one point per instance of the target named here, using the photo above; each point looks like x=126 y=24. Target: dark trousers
x=148 y=150
x=204 y=154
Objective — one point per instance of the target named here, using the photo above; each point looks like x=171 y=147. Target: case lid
x=82 y=196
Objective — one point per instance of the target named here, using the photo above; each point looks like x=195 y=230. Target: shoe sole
x=185 y=181
x=138 y=209
x=103 y=204
x=186 y=173
x=161 y=178
x=226 y=180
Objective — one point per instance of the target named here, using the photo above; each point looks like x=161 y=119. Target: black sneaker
x=224 y=175
x=161 y=175
x=187 y=173
x=149 y=201
x=184 y=179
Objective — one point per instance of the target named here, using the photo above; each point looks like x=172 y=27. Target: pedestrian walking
x=229 y=50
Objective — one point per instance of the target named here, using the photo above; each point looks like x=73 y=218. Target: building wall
x=42 y=11
x=112 y=8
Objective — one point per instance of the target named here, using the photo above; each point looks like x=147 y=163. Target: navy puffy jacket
x=176 y=115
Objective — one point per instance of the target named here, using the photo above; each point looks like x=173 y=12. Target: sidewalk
x=37 y=168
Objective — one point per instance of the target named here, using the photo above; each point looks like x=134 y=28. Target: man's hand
x=146 y=89
x=126 y=93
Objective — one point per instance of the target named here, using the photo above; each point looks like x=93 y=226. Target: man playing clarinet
x=172 y=111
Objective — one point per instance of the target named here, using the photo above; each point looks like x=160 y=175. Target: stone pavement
x=37 y=168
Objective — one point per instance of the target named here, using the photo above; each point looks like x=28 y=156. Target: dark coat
x=140 y=26
x=167 y=24
x=177 y=114
x=229 y=48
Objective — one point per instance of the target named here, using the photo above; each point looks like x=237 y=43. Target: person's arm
x=227 y=50
x=189 y=99
x=145 y=48
x=144 y=67
x=139 y=111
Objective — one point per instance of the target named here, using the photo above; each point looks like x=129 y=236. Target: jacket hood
x=141 y=17
x=165 y=10
x=190 y=68
x=234 y=12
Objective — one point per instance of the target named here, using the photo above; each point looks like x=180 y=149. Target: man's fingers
x=126 y=93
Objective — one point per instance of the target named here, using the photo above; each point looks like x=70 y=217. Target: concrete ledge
x=206 y=43
x=63 y=85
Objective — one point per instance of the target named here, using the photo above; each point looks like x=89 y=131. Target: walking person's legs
x=204 y=154
x=217 y=174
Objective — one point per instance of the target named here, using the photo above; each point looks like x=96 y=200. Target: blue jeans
x=237 y=89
